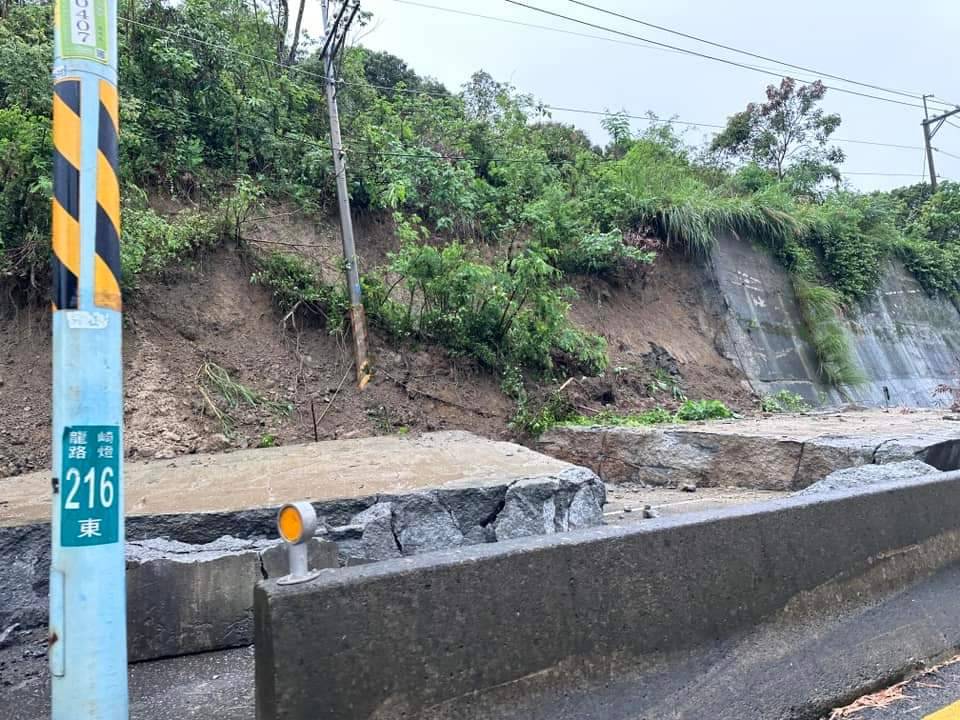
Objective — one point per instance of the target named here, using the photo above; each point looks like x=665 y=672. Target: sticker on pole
x=89 y=486
x=83 y=29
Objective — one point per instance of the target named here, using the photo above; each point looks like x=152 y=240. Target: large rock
x=421 y=524
x=452 y=517
x=25 y=577
x=571 y=500
x=530 y=508
x=866 y=475
x=378 y=541
x=771 y=456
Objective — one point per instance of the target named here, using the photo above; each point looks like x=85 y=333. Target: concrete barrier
x=773 y=611
x=184 y=599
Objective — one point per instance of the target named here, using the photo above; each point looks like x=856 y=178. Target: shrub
x=605 y=418
x=151 y=243
x=782 y=402
x=296 y=285
x=25 y=190
x=855 y=233
x=936 y=267
x=505 y=314
x=703 y=410
x=603 y=254
x=224 y=396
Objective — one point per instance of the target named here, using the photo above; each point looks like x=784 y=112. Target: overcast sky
x=909 y=46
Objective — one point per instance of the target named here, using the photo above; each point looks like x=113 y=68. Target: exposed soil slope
x=212 y=314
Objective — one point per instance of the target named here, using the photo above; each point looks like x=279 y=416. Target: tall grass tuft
x=819 y=307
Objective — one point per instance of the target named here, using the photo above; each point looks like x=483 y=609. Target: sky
x=907 y=46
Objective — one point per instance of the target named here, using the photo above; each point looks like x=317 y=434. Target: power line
x=944 y=152
x=677 y=121
x=416 y=91
x=878 y=174
x=698 y=54
x=731 y=48
x=943 y=102
x=647 y=44
x=535 y=26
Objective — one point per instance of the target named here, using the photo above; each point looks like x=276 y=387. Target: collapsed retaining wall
x=783 y=453
x=905 y=342
x=190 y=576
x=774 y=611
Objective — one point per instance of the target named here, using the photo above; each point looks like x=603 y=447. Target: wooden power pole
x=358 y=321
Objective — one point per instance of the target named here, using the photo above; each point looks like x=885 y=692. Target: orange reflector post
x=290 y=524
x=296 y=523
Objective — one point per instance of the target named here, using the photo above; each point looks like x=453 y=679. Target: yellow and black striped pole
x=88 y=645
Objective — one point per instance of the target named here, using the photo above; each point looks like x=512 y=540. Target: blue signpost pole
x=88 y=639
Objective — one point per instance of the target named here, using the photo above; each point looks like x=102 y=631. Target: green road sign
x=88 y=485
x=83 y=29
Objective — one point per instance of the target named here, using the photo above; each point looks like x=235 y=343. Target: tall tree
x=789 y=133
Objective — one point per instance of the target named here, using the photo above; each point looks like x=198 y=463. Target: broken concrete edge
x=673 y=456
x=614 y=621
x=399 y=525
x=184 y=599
x=207 y=563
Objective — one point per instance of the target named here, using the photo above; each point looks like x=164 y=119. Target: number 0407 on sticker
x=90 y=486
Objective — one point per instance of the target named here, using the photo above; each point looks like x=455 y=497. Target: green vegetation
x=783 y=401
x=820 y=307
x=267 y=440
x=703 y=410
x=224 y=397
x=689 y=411
x=152 y=243
x=296 y=285
x=510 y=313
x=664 y=382
x=495 y=205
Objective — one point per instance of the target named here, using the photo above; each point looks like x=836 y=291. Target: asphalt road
x=211 y=686
x=220 y=686
x=934 y=694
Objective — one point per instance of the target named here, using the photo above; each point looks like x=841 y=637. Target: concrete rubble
x=445 y=518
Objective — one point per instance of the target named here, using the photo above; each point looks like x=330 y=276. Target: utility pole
x=930 y=127
x=358 y=319
x=88 y=629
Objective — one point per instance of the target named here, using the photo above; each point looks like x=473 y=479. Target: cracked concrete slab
x=322 y=471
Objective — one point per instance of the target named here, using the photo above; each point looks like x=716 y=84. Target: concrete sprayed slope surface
x=905 y=342
x=773 y=611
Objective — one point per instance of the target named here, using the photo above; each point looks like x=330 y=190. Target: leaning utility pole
x=358 y=320
x=88 y=628
x=928 y=133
